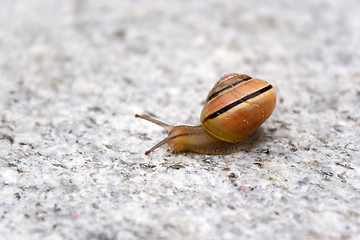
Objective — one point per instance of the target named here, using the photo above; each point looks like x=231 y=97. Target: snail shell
x=235 y=109
x=236 y=106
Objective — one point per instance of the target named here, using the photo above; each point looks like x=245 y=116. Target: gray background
x=74 y=73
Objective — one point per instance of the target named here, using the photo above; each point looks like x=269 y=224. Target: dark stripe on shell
x=234 y=104
x=215 y=94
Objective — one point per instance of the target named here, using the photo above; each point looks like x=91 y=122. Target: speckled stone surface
x=73 y=74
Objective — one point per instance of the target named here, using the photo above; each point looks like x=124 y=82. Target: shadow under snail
x=235 y=109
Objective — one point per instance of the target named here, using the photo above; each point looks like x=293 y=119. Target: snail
x=235 y=109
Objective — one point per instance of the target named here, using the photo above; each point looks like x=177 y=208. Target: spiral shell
x=236 y=106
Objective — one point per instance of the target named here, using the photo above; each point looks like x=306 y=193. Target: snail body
x=235 y=109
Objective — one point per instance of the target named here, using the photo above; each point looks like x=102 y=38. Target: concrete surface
x=74 y=73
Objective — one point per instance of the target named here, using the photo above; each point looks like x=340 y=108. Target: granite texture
x=73 y=73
